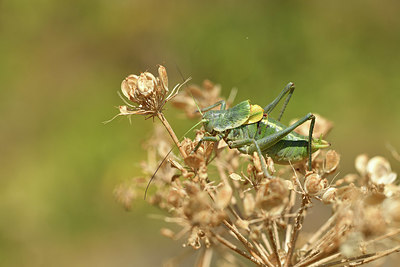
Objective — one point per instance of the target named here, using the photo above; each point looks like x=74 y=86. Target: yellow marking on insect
x=256 y=114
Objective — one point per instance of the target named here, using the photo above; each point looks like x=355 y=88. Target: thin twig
x=234 y=248
x=276 y=235
x=323 y=260
x=390 y=234
x=266 y=243
x=171 y=133
x=289 y=230
x=241 y=238
x=295 y=232
x=205 y=258
x=263 y=253
x=363 y=259
x=274 y=244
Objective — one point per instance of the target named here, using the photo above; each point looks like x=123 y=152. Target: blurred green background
x=62 y=62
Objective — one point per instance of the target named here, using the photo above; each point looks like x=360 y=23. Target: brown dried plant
x=223 y=205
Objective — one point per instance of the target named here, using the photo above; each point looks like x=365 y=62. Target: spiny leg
x=271 y=140
x=289 y=88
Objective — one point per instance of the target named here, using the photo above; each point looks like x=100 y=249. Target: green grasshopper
x=249 y=128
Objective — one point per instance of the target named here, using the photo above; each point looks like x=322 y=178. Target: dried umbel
x=224 y=206
x=150 y=93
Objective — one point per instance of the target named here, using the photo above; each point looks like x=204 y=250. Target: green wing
x=234 y=117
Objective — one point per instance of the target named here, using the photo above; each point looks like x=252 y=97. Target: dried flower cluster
x=148 y=92
x=226 y=208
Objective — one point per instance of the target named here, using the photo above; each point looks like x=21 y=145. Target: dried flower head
x=314 y=184
x=150 y=93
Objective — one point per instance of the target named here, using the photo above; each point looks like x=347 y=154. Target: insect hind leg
x=310 y=137
x=289 y=89
x=271 y=140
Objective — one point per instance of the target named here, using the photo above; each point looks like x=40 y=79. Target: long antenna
x=154 y=174
x=166 y=156
x=198 y=108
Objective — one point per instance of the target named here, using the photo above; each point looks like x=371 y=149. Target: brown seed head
x=315 y=184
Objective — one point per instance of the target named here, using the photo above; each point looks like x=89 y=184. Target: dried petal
x=146 y=84
x=128 y=86
x=331 y=161
x=162 y=74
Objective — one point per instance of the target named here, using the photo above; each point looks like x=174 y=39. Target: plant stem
x=171 y=132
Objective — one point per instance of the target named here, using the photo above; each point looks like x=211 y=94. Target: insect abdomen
x=288 y=150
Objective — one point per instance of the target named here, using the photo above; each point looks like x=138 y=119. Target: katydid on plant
x=249 y=128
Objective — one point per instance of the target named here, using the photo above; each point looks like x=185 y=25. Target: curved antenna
x=154 y=174
x=166 y=156
x=198 y=108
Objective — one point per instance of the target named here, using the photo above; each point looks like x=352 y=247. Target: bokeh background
x=62 y=62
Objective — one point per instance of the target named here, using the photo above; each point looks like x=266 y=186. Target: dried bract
x=331 y=161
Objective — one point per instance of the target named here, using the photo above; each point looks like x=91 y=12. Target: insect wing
x=234 y=117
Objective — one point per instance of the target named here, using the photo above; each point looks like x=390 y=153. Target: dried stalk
x=274 y=244
x=234 y=248
x=363 y=259
x=296 y=228
x=171 y=132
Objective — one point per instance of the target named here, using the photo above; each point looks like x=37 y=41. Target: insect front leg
x=289 y=89
x=270 y=140
x=206 y=138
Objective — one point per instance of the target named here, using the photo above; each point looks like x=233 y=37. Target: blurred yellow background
x=62 y=62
